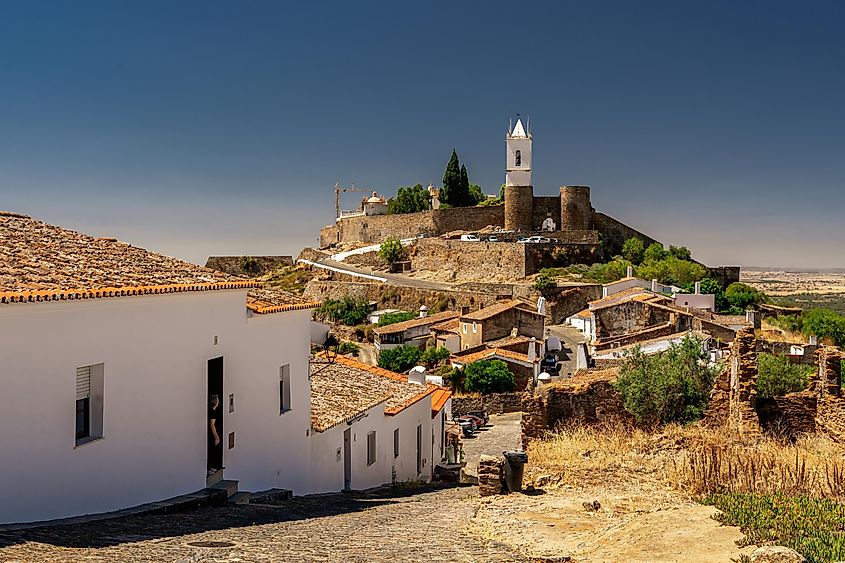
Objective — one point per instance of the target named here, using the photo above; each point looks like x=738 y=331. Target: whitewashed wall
x=155 y=351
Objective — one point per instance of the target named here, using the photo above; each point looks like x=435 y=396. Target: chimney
x=654 y=285
x=698 y=288
x=814 y=340
x=532 y=349
x=751 y=318
x=423 y=311
x=464 y=310
x=416 y=375
x=630 y=272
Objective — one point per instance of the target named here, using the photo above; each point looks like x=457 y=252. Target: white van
x=470 y=238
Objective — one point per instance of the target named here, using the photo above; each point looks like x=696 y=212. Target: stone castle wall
x=546 y=206
x=575 y=207
x=519 y=208
x=614 y=233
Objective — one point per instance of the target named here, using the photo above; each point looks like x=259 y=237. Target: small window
x=371 y=447
x=517 y=158
x=231 y=440
x=89 y=404
x=465 y=328
x=396 y=443
x=474 y=327
x=231 y=402
x=284 y=389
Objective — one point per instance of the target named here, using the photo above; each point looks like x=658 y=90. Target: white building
x=374 y=205
x=372 y=426
x=112 y=354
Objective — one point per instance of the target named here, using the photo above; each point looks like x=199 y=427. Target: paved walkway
x=503 y=433
x=416 y=525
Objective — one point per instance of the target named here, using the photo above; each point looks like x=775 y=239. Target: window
x=517 y=158
x=231 y=440
x=474 y=327
x=89 y=404
x=231 y=402
x=371 y=447
x=465 y=328
x=284 y=389
x=396 y=443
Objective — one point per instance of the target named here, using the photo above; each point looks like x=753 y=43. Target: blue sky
x=197 y=128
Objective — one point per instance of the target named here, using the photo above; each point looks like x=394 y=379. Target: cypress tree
x=466 y=198
x=450 y=194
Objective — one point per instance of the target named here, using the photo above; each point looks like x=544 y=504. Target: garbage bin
x=514 y=465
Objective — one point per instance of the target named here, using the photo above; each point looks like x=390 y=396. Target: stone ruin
x=734 y=402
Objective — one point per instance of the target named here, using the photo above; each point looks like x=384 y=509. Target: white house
x=110 y=357
x=372 y=426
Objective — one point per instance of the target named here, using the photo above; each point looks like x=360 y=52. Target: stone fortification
x=614 y=233
x=575 y=208
x=519 y=208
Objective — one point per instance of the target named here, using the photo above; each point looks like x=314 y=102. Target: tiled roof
x=622 y=280
x=452 y=325
x=508 y=341
x=266 y=300
x=346 y=388
x=491 y=353
x=495 y=309
x=414 y=323
x=42 y=262
x=630 y=294
x=585 y=314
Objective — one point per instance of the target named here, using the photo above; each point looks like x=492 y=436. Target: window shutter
x=83 y=383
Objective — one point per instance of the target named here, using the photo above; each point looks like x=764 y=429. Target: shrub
x=654 y=253
x=348 y=311
x=399 y=359
x=544 y=281
x=347 y=347
x=391 y=318
x=455 y=378
x=672 y=386
x=434 y=356
x=740 y=296
x=777 y=376
x=392 y=250
x=824 y=323
x=489 y=376
x=670 y=270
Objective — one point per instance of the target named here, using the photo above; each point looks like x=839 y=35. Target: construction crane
x=338 y=189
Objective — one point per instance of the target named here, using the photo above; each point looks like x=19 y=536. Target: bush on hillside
x=348 y=311
x=391 y=318
x=672 y=386
x=399 y=359
x=392 y=250
x=489 y=376
x=776 y=376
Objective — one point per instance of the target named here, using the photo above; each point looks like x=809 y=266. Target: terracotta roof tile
x=495 y=309
x=414 y=323
x=452 y=325
x=42 y=262
x=491 y=353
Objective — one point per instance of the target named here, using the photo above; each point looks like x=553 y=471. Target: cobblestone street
x=503 y=433
x=425 y=525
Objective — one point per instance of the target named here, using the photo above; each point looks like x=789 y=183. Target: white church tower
x=518 y=170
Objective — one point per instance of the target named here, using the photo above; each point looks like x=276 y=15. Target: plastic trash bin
x=514 y=465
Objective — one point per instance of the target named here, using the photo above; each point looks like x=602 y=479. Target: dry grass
x=694 y=460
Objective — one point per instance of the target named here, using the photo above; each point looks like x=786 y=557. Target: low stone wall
x=494 y=403
x=249 y=266
x=470 y=260
x=788 y=416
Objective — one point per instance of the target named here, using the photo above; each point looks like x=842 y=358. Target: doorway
x=347 y=459
x=214 y=417
x=419 y=449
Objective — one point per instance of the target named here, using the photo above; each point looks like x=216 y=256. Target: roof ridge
x=37 y=295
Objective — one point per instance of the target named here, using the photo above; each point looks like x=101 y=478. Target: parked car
x=422 y=235
x=550 y=365
x=479 y=422
x=493 y=238
x=467 y=426
x=470 y=238
x=482 y=414
x=535 y=239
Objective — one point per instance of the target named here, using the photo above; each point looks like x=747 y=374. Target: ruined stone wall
x=725 y=275
x=396 y=297
x=563 y=302
x=534 y=417
x=247 y=265
x=627 y=317
x=742 y=415
x=639 y=336
x=575 y=207
x=548 y=255
x=376 y=228
x=614 y=233
x=790 y=415
x=470 y=260
x=721 y=333
x=494 y=403
x=519 y=208
x=546 y=206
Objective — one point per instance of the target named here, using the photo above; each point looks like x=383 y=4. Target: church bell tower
x=518 y=170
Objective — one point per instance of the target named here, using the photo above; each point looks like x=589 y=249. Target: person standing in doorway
x=215 y=451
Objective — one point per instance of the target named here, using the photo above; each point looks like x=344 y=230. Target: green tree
x=434 y=356
x=633 y=250
x=466 y=196
x=776 y=376
x=450 y=193
x=392 y=250
x=672 y=386
x=824 y=323
x=740 y=296
x=399 y=359
x=680 y=252
x=670 y=270
x=489 y=376
x=476 y=194
x=654 y=253
x=544 y=281
x=348 y=311
x=391 y=318
x=409 y=200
